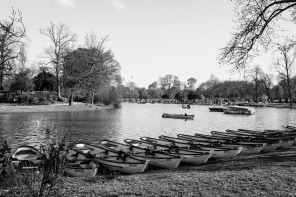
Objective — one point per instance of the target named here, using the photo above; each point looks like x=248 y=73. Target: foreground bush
x=45 y=181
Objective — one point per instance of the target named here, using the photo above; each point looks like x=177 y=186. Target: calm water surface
x=133 y=121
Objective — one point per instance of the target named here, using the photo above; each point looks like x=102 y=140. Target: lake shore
x=56 y=107
x=78 y=106
x=265 y=174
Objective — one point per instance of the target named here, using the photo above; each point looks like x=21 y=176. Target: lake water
x=133 y=121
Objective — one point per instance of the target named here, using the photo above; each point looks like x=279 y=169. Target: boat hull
x=124 y=165
x=157 y=159
x=178 y=116
x=80 y=170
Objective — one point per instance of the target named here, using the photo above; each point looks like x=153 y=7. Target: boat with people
x=239 y=110
x=186 y=106
x=156 y=158
x=178 y=116
x=217 y=109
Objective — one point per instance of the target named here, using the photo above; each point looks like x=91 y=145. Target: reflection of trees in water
x=40 y=128
x=25 y=128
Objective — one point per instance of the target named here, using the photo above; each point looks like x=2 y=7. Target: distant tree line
x=257 y=86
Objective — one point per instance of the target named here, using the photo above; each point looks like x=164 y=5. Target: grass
x=269 y=174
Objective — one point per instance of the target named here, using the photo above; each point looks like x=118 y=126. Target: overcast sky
x=150 y=38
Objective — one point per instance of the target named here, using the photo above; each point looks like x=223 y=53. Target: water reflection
x=133 y=121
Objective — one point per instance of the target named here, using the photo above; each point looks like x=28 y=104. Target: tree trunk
x=58 y=86
x=92 y=97
x=291 y=98
x=1 y=81
x=71 y=98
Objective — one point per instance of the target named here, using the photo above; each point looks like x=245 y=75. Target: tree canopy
x=12 y=34
x=257 y=22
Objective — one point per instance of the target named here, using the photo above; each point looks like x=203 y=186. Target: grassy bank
x=269 y=174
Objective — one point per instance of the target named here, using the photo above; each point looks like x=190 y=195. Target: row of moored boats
x=134 y=156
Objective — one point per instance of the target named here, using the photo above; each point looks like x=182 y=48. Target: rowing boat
x=285 y=141
x=188 y=156
x=178 y=116
x=155 y=158
x=112 y=159
x=218 y=152
x=246 y=148
x=26 y=157
x=80 y=164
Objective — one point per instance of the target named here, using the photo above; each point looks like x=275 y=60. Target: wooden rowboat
x=155 y=158
x=112 y=159
x=270 y=144
x=247 y=147
x=218 y=152
x=26 y=157
x=178 y=116
x=80 y=164
x=217 y=109
x=188 y=156
x=285 y=141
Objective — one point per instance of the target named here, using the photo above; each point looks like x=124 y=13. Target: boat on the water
x=217 y=109
x=156 y=158
x=239 y=110
x=186 y=106
x=26 y=157
x=113 y=160
x=178 y=116
x=290 y=128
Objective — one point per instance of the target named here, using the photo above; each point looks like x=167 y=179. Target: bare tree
x=255 y=75
x=267 y=80
x=90 y=68
x=284 y=65
x=257 y=20
x=61 y=39
x=12 y=34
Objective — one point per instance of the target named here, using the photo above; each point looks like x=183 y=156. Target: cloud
x=66 y=3
x=118 y=5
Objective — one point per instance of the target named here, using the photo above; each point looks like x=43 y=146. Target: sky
x=149 y=38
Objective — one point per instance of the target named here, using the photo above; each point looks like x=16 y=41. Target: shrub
x=47 y=180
